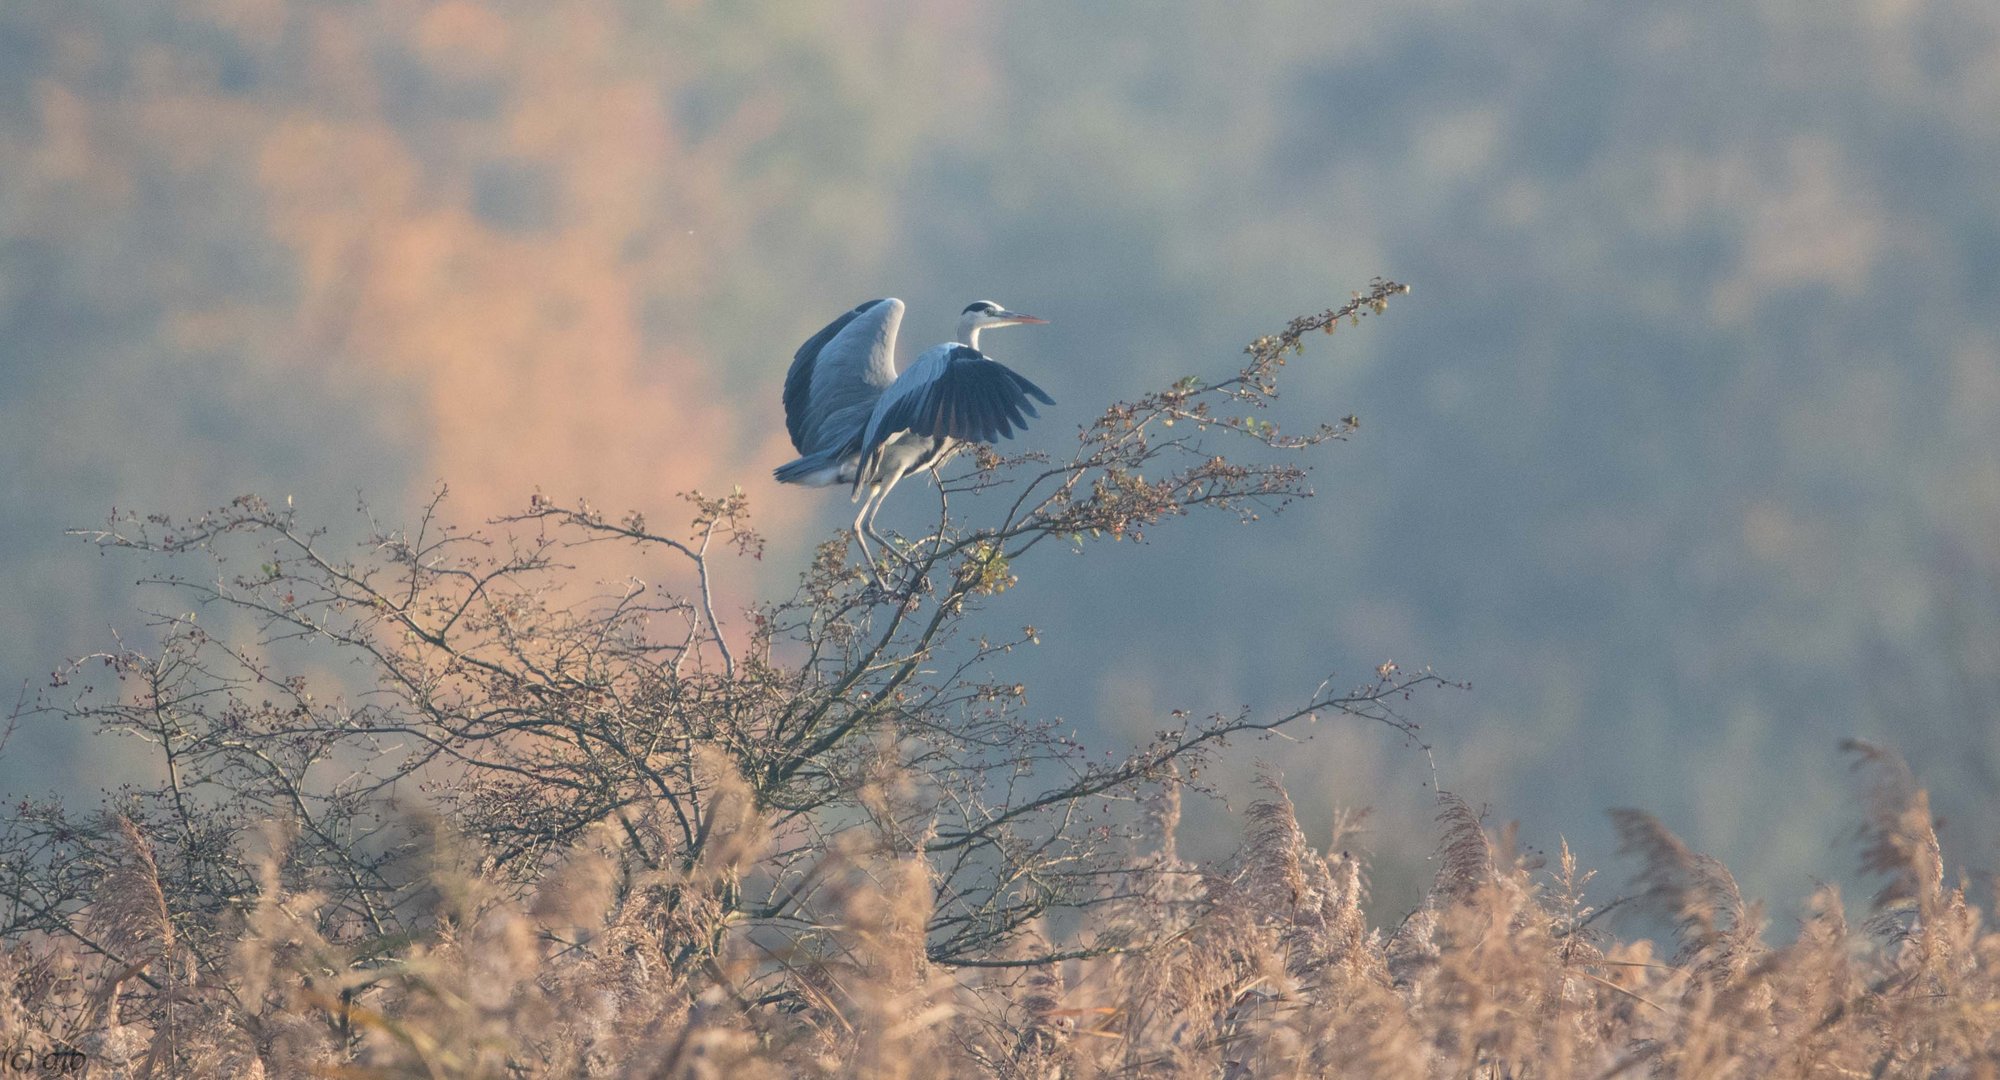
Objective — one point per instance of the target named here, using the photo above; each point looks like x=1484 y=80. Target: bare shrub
x=433 y=807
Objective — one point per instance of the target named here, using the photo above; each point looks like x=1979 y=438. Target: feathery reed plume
x=1933 y=977
x=1265 y=966
x=1465 y=853
x=1900 y=840
x=1716 y=929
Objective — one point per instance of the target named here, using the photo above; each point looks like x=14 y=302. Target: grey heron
x=856 y=421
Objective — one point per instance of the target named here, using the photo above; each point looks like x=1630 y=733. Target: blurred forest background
x=1682 y=453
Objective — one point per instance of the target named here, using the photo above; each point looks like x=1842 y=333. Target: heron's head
x=985 y=315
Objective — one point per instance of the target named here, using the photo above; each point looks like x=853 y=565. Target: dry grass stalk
x=1265 y=967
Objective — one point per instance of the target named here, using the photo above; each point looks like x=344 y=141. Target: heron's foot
x=889 y=588
x=868 y=557
x=898 y=579
x=891 y=547
x=887 y=592
x=878 y=580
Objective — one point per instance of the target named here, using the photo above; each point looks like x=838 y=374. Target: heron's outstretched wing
x=838 y=375
x=955 y=391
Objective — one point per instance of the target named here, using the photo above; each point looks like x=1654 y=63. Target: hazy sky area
x=1684 y=451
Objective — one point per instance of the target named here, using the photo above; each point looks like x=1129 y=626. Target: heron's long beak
x=1025 y=320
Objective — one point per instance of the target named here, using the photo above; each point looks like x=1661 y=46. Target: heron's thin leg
x=909 y=563
x=951 y=449
x=871 y=507
x=944 y=513
x=860 y=528
x=875 y=507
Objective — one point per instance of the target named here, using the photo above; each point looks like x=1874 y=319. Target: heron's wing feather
x=798 y=381
x=838 y=374
x=955 y=391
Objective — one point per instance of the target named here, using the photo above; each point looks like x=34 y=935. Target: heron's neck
x=968 y=332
